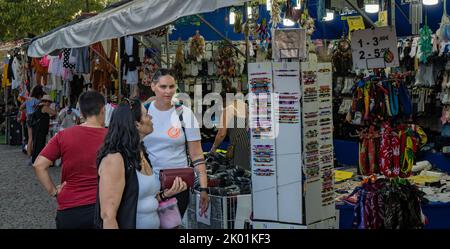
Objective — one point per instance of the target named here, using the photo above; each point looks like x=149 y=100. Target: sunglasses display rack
x=318 y=140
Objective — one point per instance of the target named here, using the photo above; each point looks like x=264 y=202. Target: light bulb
x=288 y=22
x=269 y=5
x=372 y=8
x=232 y=17
x=430 y=2
x=329 y=17
x=299 y=5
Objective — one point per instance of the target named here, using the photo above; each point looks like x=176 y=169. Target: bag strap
x=179 y=111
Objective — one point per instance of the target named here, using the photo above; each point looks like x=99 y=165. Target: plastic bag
x=169 y=214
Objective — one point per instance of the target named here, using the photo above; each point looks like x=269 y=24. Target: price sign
x=375 y=48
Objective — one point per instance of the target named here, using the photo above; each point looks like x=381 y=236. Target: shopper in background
x=110 y=106
x=166 y=146
x=77 y=147
x=40 y=129
x=234 y=123
x=129 y=189
x=30 y=106
x=68 y=116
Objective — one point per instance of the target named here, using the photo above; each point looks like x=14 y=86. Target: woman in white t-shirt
x=166 y=146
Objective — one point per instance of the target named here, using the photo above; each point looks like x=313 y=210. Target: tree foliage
x=22 y=18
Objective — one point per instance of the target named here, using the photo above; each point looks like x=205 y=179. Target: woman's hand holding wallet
x=178 y=186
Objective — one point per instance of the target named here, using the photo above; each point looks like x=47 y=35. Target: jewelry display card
x=262 y=140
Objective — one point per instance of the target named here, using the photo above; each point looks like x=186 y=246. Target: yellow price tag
x=355 y=23
x=382 y=18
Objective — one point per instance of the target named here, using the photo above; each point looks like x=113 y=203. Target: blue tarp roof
x=324 y=30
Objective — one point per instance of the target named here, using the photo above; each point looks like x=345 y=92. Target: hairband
x=287 y=75
x=329 y=194
x=263 y=165
x=324 y=70
x=286 y=70
x=326 y=146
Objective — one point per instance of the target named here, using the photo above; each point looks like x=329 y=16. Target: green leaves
x=21 y=18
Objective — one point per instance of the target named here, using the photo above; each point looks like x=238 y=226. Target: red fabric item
x=77 y=147
x=390 y=152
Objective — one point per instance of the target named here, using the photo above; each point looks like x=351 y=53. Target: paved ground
x=23 y=201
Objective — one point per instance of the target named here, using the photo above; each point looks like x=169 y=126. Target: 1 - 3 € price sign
x=375 y=48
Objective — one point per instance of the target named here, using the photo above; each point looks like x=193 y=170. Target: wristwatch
x=204 y=190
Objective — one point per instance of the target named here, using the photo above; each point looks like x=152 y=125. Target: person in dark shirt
x=40 y=129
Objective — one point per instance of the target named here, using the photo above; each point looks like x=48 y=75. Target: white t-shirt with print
x=166 y=144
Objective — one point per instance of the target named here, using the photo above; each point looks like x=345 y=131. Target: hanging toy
x=425 y=43
x=291 y=12
x=307 y=22
x=149 y=66
x=389 y=152
x=275 y=14
x=197 y=46
x=263 y=35
x=226 y=62
x=179 y=65
x=238 y=22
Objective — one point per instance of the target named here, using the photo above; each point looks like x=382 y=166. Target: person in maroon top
x=77 y=147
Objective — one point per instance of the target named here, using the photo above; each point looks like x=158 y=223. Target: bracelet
x=55 y=194
x=162 y=196
x=204 y=190
x=198 y=162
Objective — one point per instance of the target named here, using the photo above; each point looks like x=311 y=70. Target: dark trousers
x=183 y=201
x=39 y=141
x=76 y=218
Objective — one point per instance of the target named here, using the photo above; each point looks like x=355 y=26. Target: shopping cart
x=227 y=212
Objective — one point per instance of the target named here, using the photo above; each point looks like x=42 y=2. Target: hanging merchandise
x=443 y=33
x=251 y=26
x=263 y=36
x=197 y=46
x=149 y=66
x=388 y=204
x=378 y=98
x=307 y=22
x=100 y=75
x=321 y=11
x=129 y=47
x=179 y=65
x=237 y=22
x=275 y=13
x=289 y=44
x=161 y=32
x=368 y=151
x=342 y=58
x=389 y=152
x=291 y=12
x=226 y=62
x=425 y=44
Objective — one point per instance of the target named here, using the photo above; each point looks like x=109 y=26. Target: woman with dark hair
x=176 y=136
x=30 y=106
x=129 y=191
x=40 y=129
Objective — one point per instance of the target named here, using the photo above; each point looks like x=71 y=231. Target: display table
x=436 y=212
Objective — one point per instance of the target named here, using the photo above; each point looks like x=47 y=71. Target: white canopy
x=131 y=18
